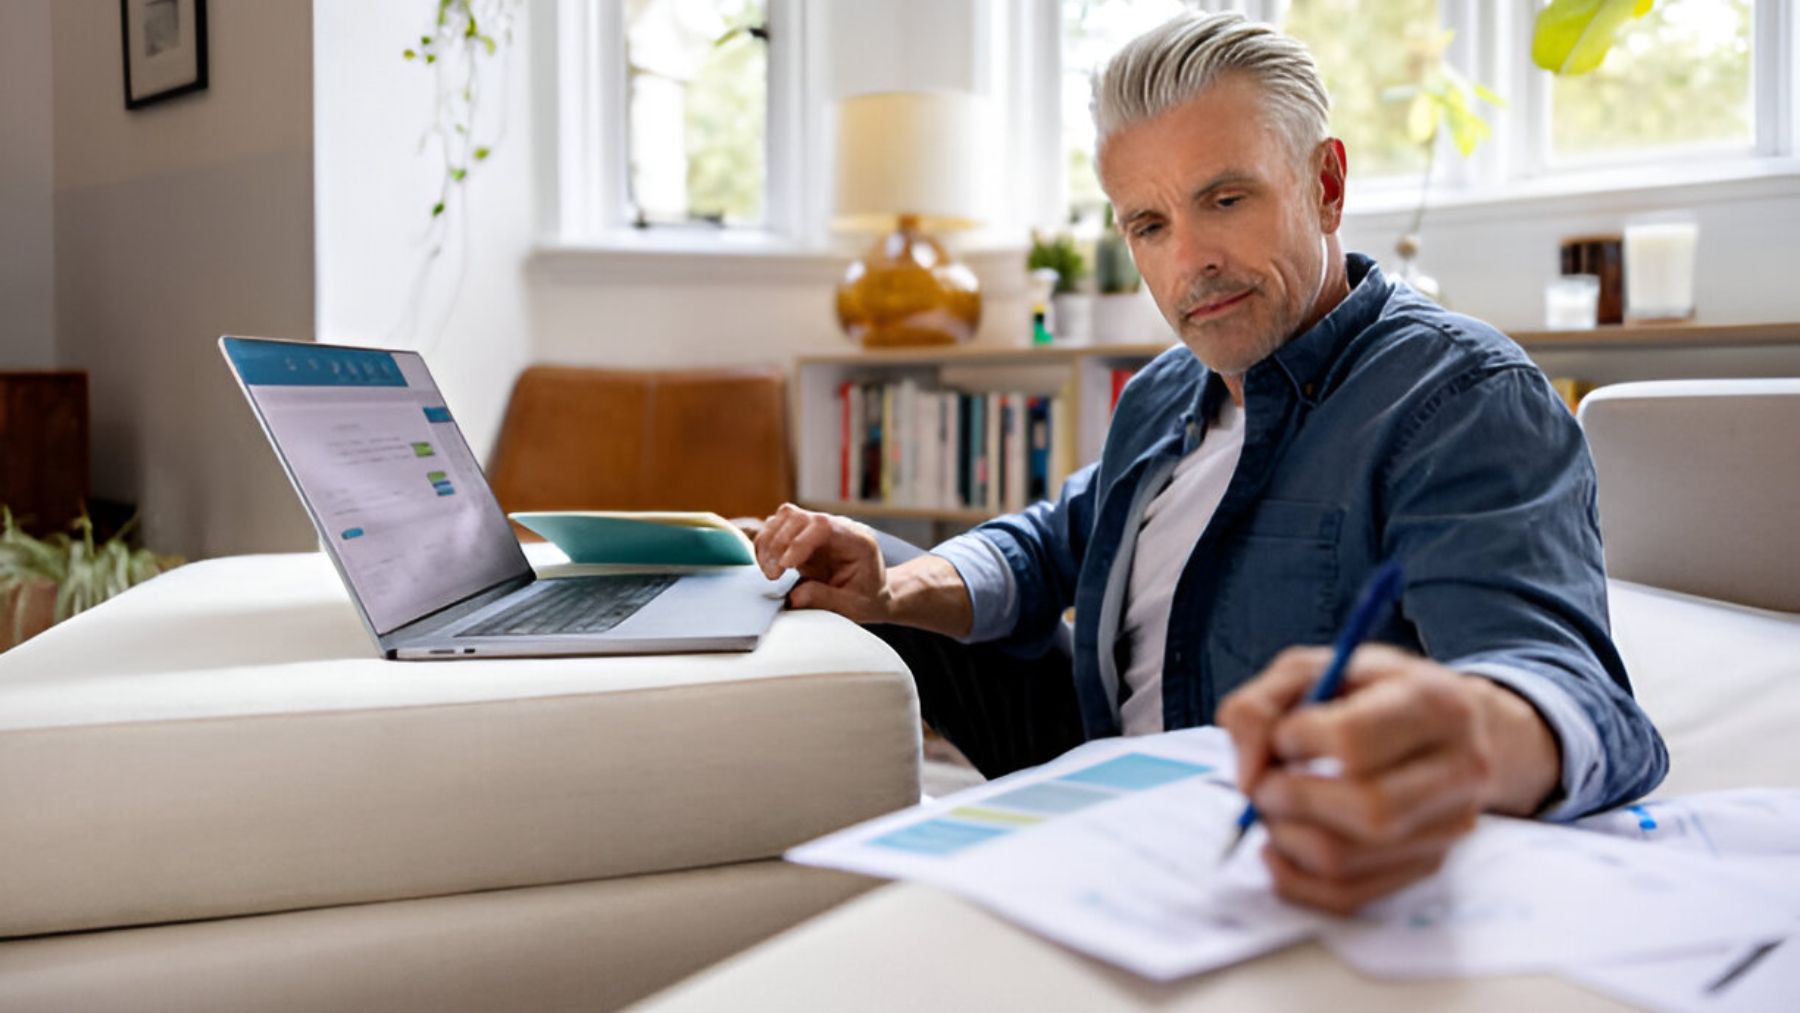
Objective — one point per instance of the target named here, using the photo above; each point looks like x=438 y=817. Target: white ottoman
x=222 y=742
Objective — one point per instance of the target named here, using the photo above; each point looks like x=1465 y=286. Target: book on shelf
x=908 y=445
x=1120 y=376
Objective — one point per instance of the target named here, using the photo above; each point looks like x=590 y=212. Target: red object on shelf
x=1120 y=377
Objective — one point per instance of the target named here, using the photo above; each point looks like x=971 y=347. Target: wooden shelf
x=1663 y=335
x=1609 y=336
x=885 y=511
x=974 y=355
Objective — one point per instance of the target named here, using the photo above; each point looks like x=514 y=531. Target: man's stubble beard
x=1280 y=331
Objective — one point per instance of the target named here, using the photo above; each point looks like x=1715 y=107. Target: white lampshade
x=910 y=153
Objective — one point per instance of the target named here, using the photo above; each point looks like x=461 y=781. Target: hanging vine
x=464 y=33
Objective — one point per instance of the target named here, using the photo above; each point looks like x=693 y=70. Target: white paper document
x=1113 y=849
x=1518 y=897
x=1757 y=831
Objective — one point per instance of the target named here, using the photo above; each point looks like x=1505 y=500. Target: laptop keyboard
x=574 y=605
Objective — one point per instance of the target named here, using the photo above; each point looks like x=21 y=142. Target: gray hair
x=1177 y=60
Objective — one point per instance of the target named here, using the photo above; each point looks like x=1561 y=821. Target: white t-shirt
x=1173 y=522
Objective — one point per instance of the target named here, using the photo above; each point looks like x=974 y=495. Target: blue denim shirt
x=1392 y=429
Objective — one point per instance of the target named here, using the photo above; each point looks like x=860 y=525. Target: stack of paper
x=1113 y=850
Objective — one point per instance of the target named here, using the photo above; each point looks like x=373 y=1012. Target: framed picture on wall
x=165 y=49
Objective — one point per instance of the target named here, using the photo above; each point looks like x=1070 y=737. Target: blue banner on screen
x=291 y=364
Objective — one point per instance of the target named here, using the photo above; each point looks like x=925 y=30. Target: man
x=1318 y=421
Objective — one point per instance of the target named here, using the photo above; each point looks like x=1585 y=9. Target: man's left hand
x=1419 y=752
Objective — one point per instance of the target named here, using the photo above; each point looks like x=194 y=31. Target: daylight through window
x=698 y=108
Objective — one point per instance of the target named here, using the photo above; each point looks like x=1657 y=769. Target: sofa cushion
x=222 y=740
x=1721 y=681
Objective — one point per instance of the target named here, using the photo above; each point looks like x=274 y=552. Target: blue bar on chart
x=1136 y=772
x=938 y=837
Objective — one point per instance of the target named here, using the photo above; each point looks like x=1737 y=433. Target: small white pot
x=1072 y=318
x=1129 y=318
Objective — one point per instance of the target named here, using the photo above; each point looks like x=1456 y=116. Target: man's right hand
x=842 y=571
x=838 y=559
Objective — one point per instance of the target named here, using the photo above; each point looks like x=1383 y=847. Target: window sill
x=683 y=257
x=1617 y=189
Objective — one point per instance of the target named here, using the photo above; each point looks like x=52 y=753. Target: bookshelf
x=1079 y=379
x=1082 y=375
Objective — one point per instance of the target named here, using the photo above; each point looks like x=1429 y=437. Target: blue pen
x=1381 y=591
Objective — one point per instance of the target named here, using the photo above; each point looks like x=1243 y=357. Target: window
x=1354 y=44
x=1681 y=77
x=697 y=94
x=1092 y=31
x=1711 y=83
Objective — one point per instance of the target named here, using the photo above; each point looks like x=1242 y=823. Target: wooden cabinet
x=44 y=448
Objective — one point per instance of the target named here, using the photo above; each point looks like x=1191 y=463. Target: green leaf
x=1486 y=94
x=481 y=154
x=437 y=209
x=429 y=58
x=1572 y=36
x=458 y=174
x=409 y=55
x=487 y=42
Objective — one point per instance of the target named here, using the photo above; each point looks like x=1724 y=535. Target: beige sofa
x=213 y=796
x=1700 y=509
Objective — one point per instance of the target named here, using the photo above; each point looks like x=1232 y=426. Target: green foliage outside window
x=1679 y=76
x=1365 y=50
x=699 y=109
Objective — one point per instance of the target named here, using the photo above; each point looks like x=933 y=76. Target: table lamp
x=908 y=165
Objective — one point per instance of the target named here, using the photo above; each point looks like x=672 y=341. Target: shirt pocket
x=1279 y=582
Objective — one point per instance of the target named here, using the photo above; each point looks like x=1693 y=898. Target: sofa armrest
x=1700 y=486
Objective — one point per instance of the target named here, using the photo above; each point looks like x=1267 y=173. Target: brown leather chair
x=599 y=439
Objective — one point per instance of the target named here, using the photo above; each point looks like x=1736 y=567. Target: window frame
x=1019 y=57
x=593 y=187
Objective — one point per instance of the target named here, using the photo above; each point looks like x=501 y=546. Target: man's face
x=1226 y=225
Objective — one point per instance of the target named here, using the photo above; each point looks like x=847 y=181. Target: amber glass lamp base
x=906 y=291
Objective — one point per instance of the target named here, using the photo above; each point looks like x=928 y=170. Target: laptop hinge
x=429 y=626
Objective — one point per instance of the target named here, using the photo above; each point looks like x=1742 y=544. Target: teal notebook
x=641 y=538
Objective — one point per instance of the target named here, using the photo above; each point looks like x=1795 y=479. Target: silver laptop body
x=403 y=510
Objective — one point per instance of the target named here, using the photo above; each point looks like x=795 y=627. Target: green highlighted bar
x=436 y=476
x=981 y=814
x=423 y=450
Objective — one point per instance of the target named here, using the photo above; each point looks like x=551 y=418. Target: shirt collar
x=1305 y=360
x=1302 y=363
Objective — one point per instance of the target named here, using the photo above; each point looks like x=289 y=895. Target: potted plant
x=1071 y=309
x=44 y=581
x=1123 y=312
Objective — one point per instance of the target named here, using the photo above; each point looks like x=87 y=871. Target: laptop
x=429 y=558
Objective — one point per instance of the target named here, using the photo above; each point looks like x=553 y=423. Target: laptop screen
x=384 y=471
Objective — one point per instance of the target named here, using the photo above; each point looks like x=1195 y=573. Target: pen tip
x=1231 y=844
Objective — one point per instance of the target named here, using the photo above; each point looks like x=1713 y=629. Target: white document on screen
x=1113 y=850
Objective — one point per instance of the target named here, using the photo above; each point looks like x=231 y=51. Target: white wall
x=27 y=325
x=377 y=281
x=175 y=224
